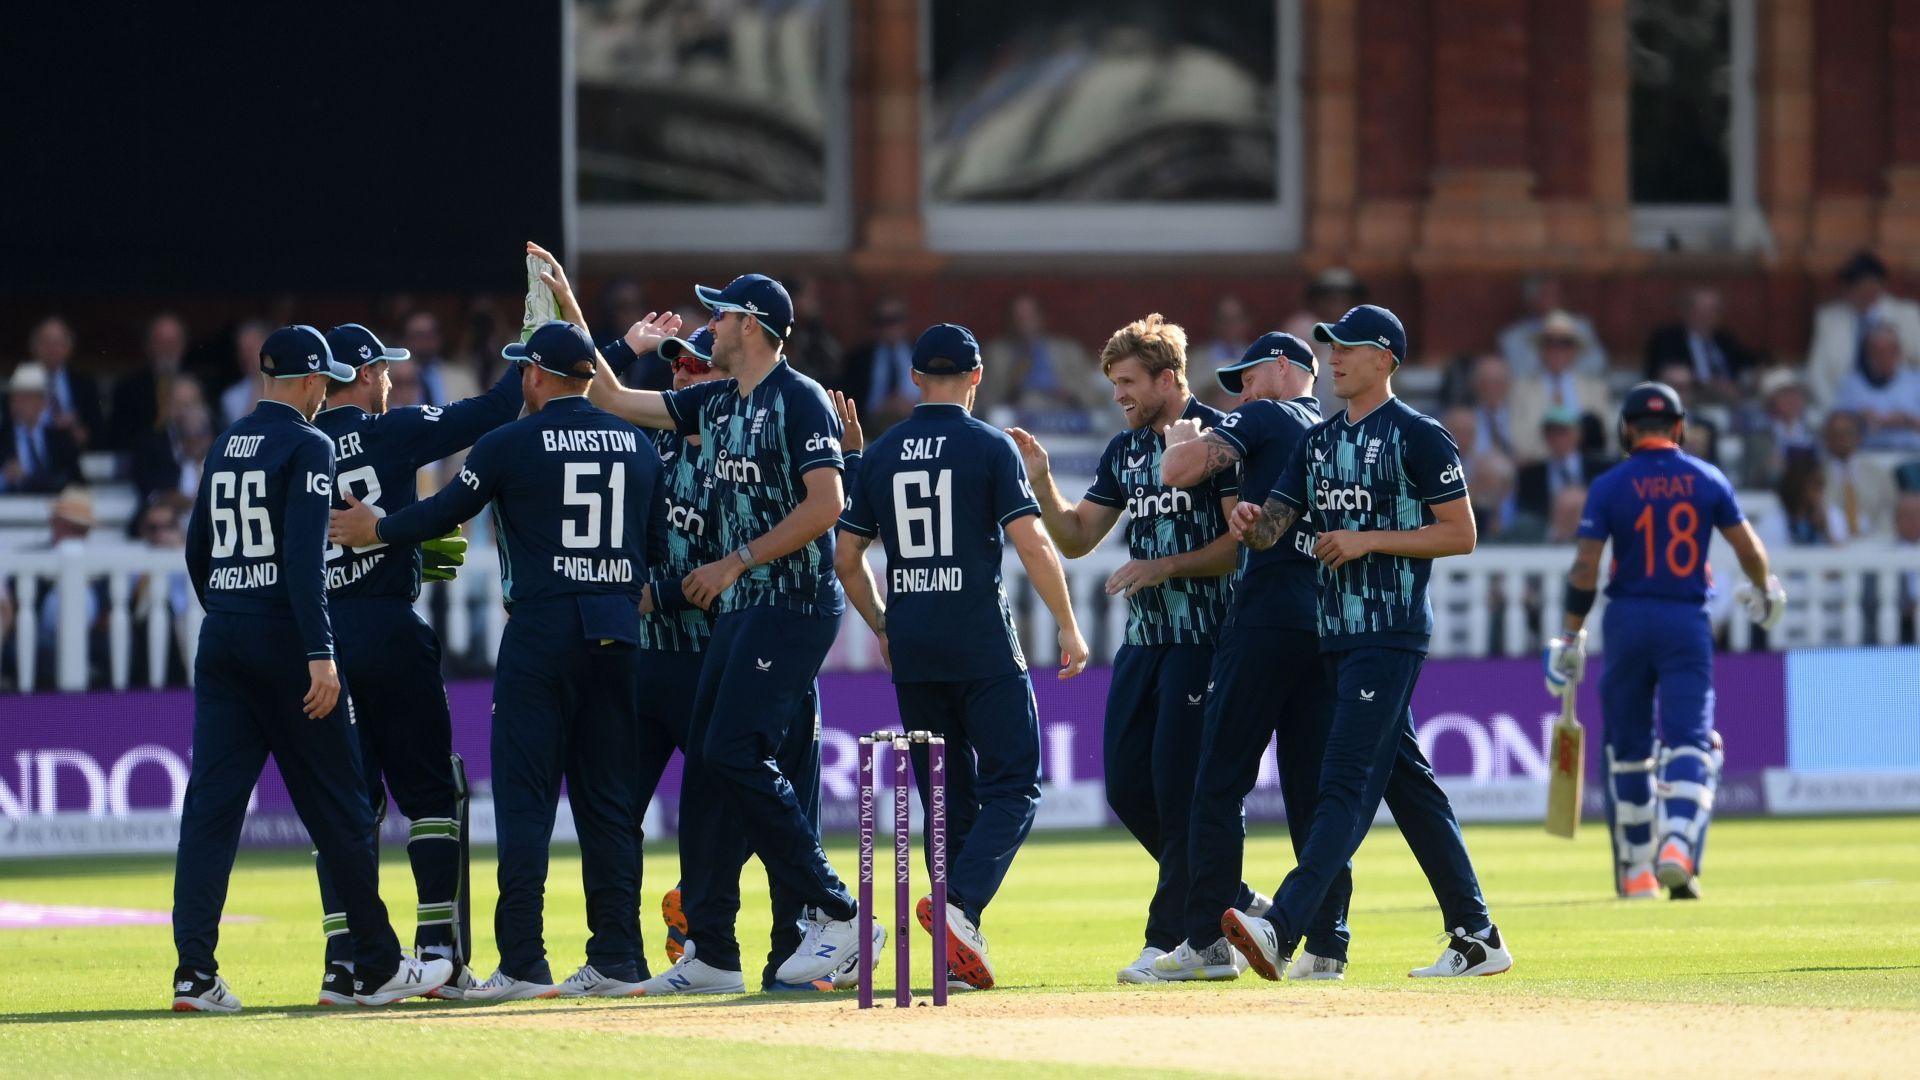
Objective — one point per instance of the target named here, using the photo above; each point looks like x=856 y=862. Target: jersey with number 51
x=257 y=539
x=1660 y=507
x=577 y=508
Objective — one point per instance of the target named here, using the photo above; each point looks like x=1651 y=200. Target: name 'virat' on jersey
x=1659 y=508
x=1165 y=521
x=1385 y=471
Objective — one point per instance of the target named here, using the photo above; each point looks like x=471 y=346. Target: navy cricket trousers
x=1151 y=749
x=1371 y=753
x=249 y=679
x=753 y=735
x=563 y=707
x=390 y=662
x=1267 y=682
x=993 y=775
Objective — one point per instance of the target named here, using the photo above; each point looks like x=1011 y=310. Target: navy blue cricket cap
x=1368 y=324
x=946 y=349
x=1652 y=399
x=294 y=352
x=355 y=346
x=698 y=345
x=1272 y=347
x=757 y=295
x=557 y=346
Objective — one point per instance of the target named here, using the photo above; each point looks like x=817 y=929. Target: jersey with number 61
x=937 y=488
x=576 y=503
x=258 y=534
x=1660 y=507
x=377 y=455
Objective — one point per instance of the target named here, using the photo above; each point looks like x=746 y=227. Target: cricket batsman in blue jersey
x=939 y=489
x=1659 y=508
x=1382 y=487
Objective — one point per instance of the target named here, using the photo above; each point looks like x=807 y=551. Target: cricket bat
x=1567 y=768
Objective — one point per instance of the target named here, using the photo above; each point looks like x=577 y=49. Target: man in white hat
x=36 y=457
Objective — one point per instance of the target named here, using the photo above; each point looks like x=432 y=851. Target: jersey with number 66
x=1660 y=507
x=937 y=488
x=377 y=455
x=258 y=535
x=576 y=503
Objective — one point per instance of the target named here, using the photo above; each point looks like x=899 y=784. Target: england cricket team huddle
x=676 y=565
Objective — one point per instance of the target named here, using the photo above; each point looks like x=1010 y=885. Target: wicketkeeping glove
x=1766 y=609
x=1566 y=663
x=442 y=557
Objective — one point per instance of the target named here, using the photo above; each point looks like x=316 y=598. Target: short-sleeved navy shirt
x=1276 y=587
x=1384 y=471
x=1659 y=508
x=1163 y=521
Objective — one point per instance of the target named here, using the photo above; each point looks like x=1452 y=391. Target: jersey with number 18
x=1659 y=508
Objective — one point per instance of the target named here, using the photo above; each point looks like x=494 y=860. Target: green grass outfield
x=1799 y=912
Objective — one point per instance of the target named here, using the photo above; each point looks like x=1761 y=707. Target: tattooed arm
x=1190 y=459
x=1260 y=527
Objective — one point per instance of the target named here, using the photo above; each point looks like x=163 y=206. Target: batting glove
x=442 y=557
x=1566 y=663
x=1766 y=609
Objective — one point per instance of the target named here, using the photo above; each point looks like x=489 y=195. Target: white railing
x=1495 y=602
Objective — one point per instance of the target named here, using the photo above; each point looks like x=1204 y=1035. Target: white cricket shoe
x=1258 y=941
x=827 y=944
x=1262 y=903
x=847 y=975
x=966 y=945
x=589 y=982
x=1307 y=967
x=501 y=986
x=1217 y=962
x=691 y=976
x=413 y=978
x=194 y=992
x=1141 y=972
x=456 y=988
x=1481 y=953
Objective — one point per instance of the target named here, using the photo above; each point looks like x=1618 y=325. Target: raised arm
x=1049 y=579
x=1193 y=457
x=1079 y=528
x=643 y=408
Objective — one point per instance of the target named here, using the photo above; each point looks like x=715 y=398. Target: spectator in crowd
x=622 y=303
x=423 y=340
x=811 y=346
x=1491 y=490
x=1700 y=341
x=1567 y=467
x=1885 y=393
x=1703 y=432
x=139 y=398
x=1465 y=426
x=408 y=388
x=1783 y=427
x=1028 y=368
x=166 y=463
x=1805 y=517
x=1489 y=396
x=880 y=373
x=159 y=527
x=36 y=457
x=1520 y=341
x=68 y=529
x=238 y=398
x=73 y=398
x=1557 y=385
x=1331 y=294
x=1840 y=327
x=464 y=373
x=1861 y=491
x=1232 y=333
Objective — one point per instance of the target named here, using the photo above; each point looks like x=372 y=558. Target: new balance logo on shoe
x=825 y=952
x=183 y=986
x=679 y=982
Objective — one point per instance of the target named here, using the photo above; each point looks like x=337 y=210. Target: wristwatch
x=746 y=556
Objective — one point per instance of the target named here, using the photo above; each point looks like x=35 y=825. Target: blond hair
x=1159 y=345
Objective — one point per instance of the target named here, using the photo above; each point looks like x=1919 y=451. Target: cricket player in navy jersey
x=1382 y=487
x=578 y=515
x=389 y=657
x=1659 y=508
x=1176 y=582
x=265 y=681
x=1268 y=679
x=938 y=489
x=674 y=637
x=771 y=443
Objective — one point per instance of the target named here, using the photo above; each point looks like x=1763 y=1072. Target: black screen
x=341 y=145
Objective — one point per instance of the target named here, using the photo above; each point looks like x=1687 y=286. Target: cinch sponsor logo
x=822 y=442
x=1352 y=497
x=737 y=469
x=686 y=519
x=1454 y=474
x=1150 y=504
